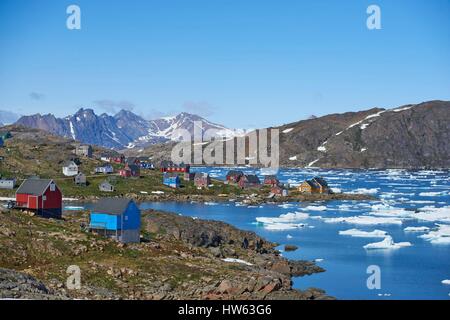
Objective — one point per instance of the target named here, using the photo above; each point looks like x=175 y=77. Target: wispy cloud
x=201 y=108
x=36 y=96
x=112 y=106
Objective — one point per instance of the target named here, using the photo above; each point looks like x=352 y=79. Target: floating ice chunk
x=318 y=260
x=289 y=236
x=387 y=243
x=288 y=217
x=210 y=203
x=364 y=234
x=336 y=190
x=439 y=236
x=286 y=205
x=364 y=191
x=314 y=208
x=416 y=229
x=283 y=226
x=432 y=194
x=445 y=281
x=363 y=220
x=237 y=261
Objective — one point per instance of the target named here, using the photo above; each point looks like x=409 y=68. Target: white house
x=70 y=169
x=104 y=169
x=7 y=183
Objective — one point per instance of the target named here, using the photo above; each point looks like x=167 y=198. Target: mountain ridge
x=120 y=131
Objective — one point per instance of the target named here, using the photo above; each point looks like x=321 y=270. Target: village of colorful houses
x=119 y=218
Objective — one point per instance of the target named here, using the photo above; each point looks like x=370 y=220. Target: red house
x=271 y=181
x=169 y=166
x=41 y=196
x=130 y=170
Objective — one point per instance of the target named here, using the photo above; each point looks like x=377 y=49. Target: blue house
x=171 y=181
x=117 y=218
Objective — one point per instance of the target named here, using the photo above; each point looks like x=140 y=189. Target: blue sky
x=242 y=63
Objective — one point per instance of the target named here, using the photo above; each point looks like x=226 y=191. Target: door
x=33 y=202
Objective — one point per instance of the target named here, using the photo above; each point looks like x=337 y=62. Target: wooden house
x=104 y=169
x=188 y=176
x=279 y=191
x=315 y=185
x=105 y=186
x=271 y=180
x=41 y=196
x=169 y=166
x=202 y=180
x=172 y=181
x=116 y=218
x=249 y=181
x=130 y=170
x=70 y=169
x=80 y=179
x=233 y=176
x=84 y=151
x=7 y=183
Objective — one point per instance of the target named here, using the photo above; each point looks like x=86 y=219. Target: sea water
x=404 y=199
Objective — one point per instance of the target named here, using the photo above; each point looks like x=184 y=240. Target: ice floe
x=364 y=234
x=387 y=243
x=364 y=191
x=363 y=220
x=445 y=281
x=439 y=236
x=416 y=229
x=314 y=208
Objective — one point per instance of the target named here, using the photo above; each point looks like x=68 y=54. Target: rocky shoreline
x=252 y=199
x=178 y=258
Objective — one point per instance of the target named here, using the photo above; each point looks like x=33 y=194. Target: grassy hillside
x=34 y=152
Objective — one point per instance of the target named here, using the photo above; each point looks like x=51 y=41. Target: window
x=44 y=198
x=52 y=187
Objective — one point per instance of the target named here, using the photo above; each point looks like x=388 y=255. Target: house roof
x=115 y=206
x=34 y=187
x=133 y=167
x=320 y=181
x=252 y=178
x=234 y=173
x=69 y=163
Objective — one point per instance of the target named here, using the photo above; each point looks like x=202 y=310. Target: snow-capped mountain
x=123 y=130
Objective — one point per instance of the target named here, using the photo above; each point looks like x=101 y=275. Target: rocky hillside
x=121 y=131
x=178 y=258
x=411 y=136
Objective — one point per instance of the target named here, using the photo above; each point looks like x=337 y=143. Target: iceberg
x=364 y=234
x=387 y=243
x=363 y=220
x=445 y=281
x=416 y=229
x=439 y=236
